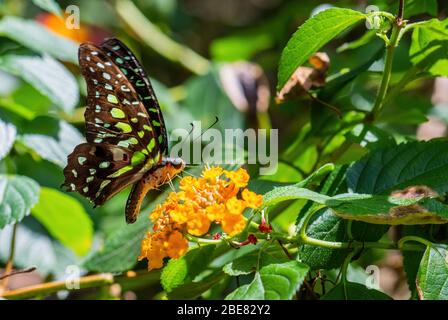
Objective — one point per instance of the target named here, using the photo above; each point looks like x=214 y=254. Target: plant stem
x=10 y=262
x=382 y=92
x=52 y=287
x=403 y=241
x=152 y=36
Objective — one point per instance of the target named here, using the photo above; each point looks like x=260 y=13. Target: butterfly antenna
x=211 y=126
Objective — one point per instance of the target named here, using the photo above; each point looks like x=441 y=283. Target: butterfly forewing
x=129 y=65
x=122 y=138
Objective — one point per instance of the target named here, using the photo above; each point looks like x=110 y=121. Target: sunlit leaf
x=38 y=38
x=54 y=142
x=432 y=277
x=313 y=35
x=47 y=75
x=18 y=194
x=66 y=220
x=8 y=136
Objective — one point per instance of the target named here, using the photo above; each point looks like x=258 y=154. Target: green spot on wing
x=112 y=99
x=137 y=158
x=126 y=128
x=151 y=144
x=117 y=113
x=120 y=172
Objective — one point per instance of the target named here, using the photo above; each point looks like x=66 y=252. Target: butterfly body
x=125 y=130
x=156 y=177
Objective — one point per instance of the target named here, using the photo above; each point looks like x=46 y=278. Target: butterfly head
x=176 y=165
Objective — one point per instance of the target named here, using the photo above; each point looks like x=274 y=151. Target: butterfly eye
x=125 y=157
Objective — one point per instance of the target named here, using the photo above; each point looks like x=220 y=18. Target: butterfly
x=127 y=142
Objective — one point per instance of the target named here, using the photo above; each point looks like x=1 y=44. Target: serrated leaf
x=8 y=136
x=65 y=219
x=184 y=269
x=255 y=260
x=49 y=5
x=354 y=291
x=193 y=290
x=51 y=139
x=429 y=46
x=281 y=280
x=408 y=164
x=18 y=194
x=38 y=38
x=432 y=277
x=275 y=281
x=121 y=249
x=370 y=137
x=251 y=291
x=47 y=75
x=311 y=36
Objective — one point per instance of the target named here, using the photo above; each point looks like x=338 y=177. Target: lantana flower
x=216 y=197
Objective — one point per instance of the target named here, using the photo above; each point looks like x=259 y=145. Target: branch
x=52 y=287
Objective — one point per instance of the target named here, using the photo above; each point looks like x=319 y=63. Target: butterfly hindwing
x=92 y=171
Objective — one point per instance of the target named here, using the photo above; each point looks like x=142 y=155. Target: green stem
x=390 y=51
x=10 y=262
x=52 y=287
x=402 y=241
x=152 y=36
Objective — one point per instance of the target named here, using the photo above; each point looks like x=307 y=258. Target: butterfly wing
x=128 y=63
x=119 y=131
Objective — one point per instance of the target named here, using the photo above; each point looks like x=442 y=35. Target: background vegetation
x=197 y=54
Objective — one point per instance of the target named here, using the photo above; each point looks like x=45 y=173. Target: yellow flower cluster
x=218 y=196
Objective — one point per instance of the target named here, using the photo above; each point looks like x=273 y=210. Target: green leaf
x=65 y=219
x=313 y=35
x=416 y=7
x=120 y=251
x=432 y=277
x=47 y=75
x=193 y=290
x=8 y=136
x=251 y=291
x=51 y=139
x=33 y=247
x=184 y=269
x=49 y=5
x=281 y=280
x=204 y=105
x=18 y=194
x=429 y=47
x=389 y=210
x=38 y=38
x=276 y=281
x=408 y=164
x=255 y=260
x=354 y=291
x=329 y=227
x=370 y=137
